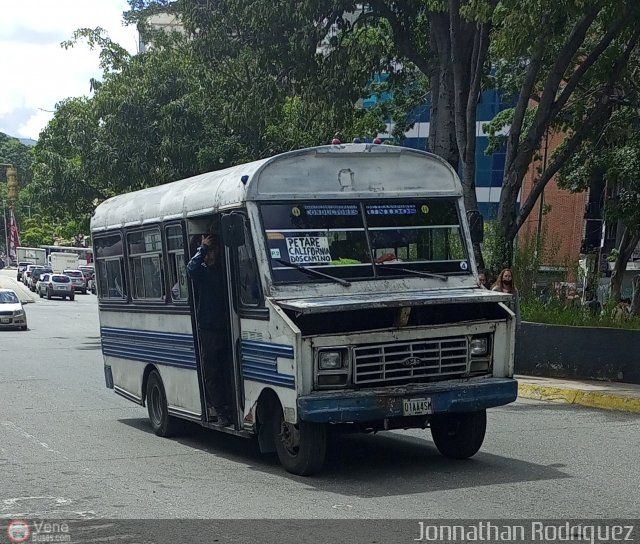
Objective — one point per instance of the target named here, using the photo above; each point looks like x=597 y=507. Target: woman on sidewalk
x=505 y=284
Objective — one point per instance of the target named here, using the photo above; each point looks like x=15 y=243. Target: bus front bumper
x=348 y=406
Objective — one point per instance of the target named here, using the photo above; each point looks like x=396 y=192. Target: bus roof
x=325 y=172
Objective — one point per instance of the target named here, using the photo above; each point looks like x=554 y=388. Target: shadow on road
x=386 y=464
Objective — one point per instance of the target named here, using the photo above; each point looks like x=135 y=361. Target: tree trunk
x=442 y=128
x=628 y=243
x=635 y=301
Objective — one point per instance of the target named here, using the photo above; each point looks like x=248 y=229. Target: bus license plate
x=416 y=407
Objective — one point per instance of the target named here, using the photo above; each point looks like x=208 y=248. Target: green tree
x=567 y=59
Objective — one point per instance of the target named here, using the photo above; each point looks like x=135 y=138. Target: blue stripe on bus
x=259 y=359
x=259 y=363
x=165 y=348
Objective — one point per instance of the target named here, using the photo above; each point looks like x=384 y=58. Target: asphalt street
x=70 y=448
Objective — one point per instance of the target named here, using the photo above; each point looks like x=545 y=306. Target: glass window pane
x=182 y=278
x=152 y=277
x=138 y=278
x=109 y=246
x=115 y=285
x=146 y=241
x=174 y=238
x=101 y=275
x=178 y=277
x=250 y=294
x=425 y=233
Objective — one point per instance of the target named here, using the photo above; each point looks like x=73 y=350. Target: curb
x=592 y=399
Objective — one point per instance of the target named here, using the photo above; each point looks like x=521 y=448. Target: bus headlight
x=479 y=346
x=330 y=360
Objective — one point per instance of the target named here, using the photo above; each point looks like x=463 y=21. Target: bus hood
x=390 y=300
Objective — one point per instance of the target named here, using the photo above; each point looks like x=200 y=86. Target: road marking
x=11 y=425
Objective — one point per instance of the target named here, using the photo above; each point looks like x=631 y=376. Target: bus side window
x=177 y=266
x=145 y=264
x=250 y=291
x=109 y=267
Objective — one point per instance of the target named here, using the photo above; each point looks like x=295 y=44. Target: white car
x=27 y=273
x=12 y=314
x=55 y=285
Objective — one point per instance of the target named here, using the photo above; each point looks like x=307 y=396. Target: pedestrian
x=573 y=298
x=482 y=280
x=505 y=284
x=592 y=304
x=206 y=271
x=622 y=311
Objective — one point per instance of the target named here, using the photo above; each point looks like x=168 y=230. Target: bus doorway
x=216 y=332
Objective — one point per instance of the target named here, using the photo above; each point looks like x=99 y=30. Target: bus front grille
x=411 y=362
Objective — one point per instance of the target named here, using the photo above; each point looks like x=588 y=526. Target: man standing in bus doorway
x=205 y=270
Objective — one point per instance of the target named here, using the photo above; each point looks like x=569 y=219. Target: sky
x=35 y=72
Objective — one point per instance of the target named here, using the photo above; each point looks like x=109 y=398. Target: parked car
x=36 y=273
x=12 y=314
x=87 y=270
x=90 y=275
x=21 y=268
x=27 y=273
x=77 y=279
x=55 y=285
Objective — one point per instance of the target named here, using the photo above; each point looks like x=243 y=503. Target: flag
x=14 y=236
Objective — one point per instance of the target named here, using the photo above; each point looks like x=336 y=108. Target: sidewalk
x=10 y=282
x=623 y=397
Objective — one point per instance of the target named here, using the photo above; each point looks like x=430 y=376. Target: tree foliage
x=230 y=92
x=13 y=151
x=248 y=79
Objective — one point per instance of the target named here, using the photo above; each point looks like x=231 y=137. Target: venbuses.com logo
x=18 y=531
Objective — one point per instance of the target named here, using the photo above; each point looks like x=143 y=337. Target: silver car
x=12 y=314
x=55 y=285
x=77 y=279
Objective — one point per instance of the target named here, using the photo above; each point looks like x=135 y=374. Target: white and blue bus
x=353 y=301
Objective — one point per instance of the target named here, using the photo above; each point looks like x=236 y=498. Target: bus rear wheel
x=162 y=423
x=301 y=448
x=459 y=436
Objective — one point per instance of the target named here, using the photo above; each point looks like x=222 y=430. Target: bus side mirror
x=476 y=226
x=232 y=230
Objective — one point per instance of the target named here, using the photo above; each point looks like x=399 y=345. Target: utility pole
x=6 y=233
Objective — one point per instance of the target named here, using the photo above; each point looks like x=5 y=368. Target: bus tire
x=308 y=456
x=459 y=436
x=162 y=423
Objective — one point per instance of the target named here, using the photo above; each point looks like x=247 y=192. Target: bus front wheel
x=459 y=436
x=301 y=448
x=162 y=423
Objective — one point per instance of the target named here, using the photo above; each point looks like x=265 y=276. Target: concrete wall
x=578 y=352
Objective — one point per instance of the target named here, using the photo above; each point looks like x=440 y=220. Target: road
x=70 y=448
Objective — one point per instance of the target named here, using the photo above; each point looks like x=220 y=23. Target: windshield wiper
x=313 y=272
x=415 y=272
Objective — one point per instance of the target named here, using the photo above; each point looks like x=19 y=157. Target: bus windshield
x=355 y=240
